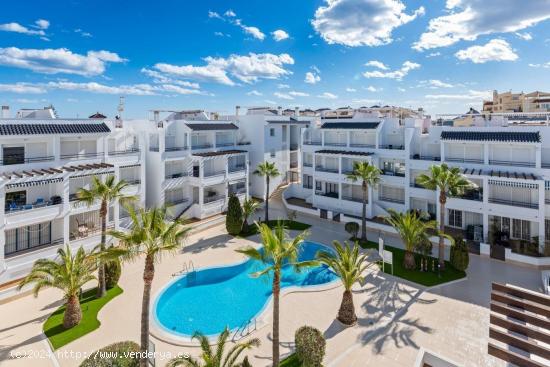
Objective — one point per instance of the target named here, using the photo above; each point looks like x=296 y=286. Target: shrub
x=113 y=270
x=114 y=356
x=459 y=255
x=352 y=228
x=234 y=218
x=310 y=346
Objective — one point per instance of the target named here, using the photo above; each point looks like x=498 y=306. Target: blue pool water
x=212 y=299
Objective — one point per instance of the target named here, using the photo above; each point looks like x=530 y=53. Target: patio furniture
x=39 y=202
x=14 y=206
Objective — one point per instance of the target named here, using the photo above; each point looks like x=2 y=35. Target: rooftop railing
x=521 y=204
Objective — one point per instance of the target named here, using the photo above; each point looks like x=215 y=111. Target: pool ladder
x=187 y=268
x=245 y=329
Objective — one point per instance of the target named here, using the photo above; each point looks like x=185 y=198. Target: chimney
x=296 y=111
x=237 y=110
x=5 y=112
x=279 y=110
x=156 y=116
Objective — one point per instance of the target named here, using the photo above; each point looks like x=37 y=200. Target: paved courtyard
x=396 y=319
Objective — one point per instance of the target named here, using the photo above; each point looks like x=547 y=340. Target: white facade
x=510 y=167
x=44 y=162
x=194 y=162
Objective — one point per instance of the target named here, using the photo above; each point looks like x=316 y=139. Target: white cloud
x=401 y=89
x=213 y=14
x=351 y=90
x=494 y=50
x=283 y=86
x=268 y=101
x=470 y=95
x=434 y=84
x=82 y=33
x=526 y=36
x=328 y=95
x=230 y=13
x=42 y=23
x=246 y=68
x=468 y=19
x=60 y=60
x=283 y=95
x=433 y=54
x=254 y=93
x=279 y=35
x=396 y=74
x=312 y=78
x=23 y=88
x=377 y=64
x=370 y=88
x=298 y=94
x=545 y=65
x=361 y=22
x=160 y=78
x=18 y=28
x=366 y=101
x=253 y=31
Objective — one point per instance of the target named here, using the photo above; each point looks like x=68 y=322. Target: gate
x=498 y=252
x=323 y=214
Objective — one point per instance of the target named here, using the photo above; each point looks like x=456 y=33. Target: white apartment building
x=44 y=161
x=194 y=162
x=275 y=137
x=509 y=166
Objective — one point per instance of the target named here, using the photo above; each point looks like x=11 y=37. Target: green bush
x=352 y=228
x=234 y=218
x=310 y=346
x=459 y=255
x=113 y=270
x=113 y=355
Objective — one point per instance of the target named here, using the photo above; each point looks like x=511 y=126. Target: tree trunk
x=101 y=287
x=408 y=261
x=346 y=313
x=267 y=200
x=73 y=313
x=276 y=292
x=148 y=275
x=441 y=252
x=364 y=215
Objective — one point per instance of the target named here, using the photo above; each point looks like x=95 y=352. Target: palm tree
x=413 y=230
x=450 y=182
x=349 y=265
x=151 y=235
x=249 y=207
x=279 y=250
x=106 y=192
x=211 y=359
x=68 y=273
x=369 y=175
x=267 y=170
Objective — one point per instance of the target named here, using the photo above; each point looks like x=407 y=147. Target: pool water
x=212 y=299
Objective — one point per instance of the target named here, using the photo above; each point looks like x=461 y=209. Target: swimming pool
x=212 y=299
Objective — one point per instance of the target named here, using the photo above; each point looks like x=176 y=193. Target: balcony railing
x=471 y=195
x=545 y=164
x=326 y=169
x=464 y=160
x=418 y=186
x=511 y=163
x=201 y=146
x=521 y=204
x=393 y=173
x=306 y=186
x=360 y=145
x=333 y=195
x=124 y=152
x=9 y=160
x=176 y=201
x=293 y=164
x=312 y=142
x=307 y=164
x=335 y=144
x=392 y=147
x=351 y=198
x=82 y=155
x=425 y=157
x=12 y=249
x=132 y=181
x=293 y=147
x=175 y=149
x=214 y=173
x=211 y=199
x=175 y=175
x=237 y=191
x=392 y=200
x=225 y=144
x=237 y=169
x=39 y=203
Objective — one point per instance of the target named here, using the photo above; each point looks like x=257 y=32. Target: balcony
x=312 y=142
x=475 y=195
x=237 y=168
x=418 y=157
x=124 y=152
x=464 y=160
x=393 y=173
x=224 y=144
x=132 y=181
x=392 y=200
x=237 y=192
x=10 y=160
x=175 y=148
x=521 y=204
x=392 y=147
x=14 y=249
x=511 y=163
x=174 y=202
x=214 y=173
x=39 y=203
x=326 y=169
x=334 y=144
x=169 y=176
x=352 y=198
x=359 y=145
x=201 y=146
x=82 y=155
x=333 y=195
x=213 y=199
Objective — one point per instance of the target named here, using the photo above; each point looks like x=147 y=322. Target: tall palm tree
x=216 y=359
x=268 y=170
x=279 y=250
x=249 y=207
x=369 y=175
x=349 y=265
x=450 y=182
x=106 y=192
x=151 y=235
x=67 y=273
x=413 y=230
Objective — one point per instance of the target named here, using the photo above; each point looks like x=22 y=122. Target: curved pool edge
x=157 y=330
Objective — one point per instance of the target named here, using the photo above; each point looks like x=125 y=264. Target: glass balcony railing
x=425 y=157
x=123 y=152
x=511 y=163
x=464 y=160
x=326 y=169
x=201 y=146
x=522 y=204
x=15 y=159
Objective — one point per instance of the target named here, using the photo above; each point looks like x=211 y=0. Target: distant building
x=518 y=102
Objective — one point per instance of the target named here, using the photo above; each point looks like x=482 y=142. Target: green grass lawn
x=428 y=278
x=53 y=327
x=289 y=224
x=291 y=361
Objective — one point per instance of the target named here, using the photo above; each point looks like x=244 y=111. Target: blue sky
x=443 y=55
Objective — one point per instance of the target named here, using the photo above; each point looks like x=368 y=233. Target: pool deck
x=396 y=318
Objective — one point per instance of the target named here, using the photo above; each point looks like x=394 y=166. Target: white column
x=247 y=165
x=348 y=136
x=538 y=156
x=485 y=185
x=486 y=153
x=2 y=226
x=542 y=215
x=442 y=152
x=66 y=208
x=322 y=138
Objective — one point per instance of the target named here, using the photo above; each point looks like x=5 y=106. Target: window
x=455 y=218
x=331 y=188
x=547 y=229
x=15 y=199
x=272 y=154
x=272 y=132
x=521 y=229
x=13 y=155
x=318 y=186
x=307 y=182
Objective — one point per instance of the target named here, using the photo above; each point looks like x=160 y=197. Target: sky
x=442 y=55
